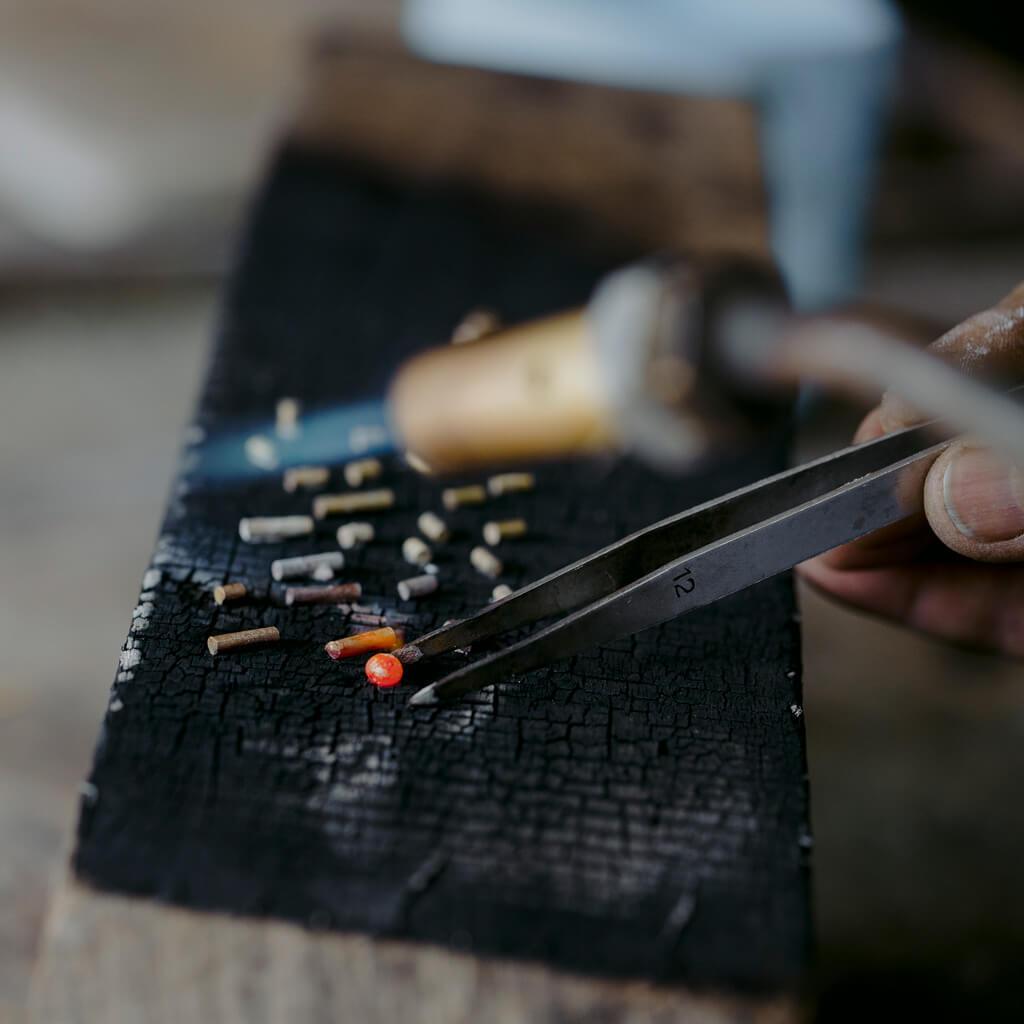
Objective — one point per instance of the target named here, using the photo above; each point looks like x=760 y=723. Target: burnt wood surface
x=638 y=810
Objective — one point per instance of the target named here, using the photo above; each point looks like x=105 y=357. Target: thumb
x=974 y=501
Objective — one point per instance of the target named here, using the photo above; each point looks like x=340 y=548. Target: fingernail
x=984 y=496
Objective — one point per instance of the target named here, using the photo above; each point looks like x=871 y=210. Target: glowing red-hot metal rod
x=384 y=639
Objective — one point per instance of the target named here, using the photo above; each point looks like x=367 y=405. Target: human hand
x=956 y=568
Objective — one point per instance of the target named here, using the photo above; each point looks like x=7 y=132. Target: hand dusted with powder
x=957 y=569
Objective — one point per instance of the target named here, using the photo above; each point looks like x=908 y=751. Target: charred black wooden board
x=638 y=810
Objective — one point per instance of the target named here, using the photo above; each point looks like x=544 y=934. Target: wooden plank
x=637 y=812
x=113 y=959
x=662 y=170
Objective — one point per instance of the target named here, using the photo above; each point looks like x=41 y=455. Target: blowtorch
x=673 y=361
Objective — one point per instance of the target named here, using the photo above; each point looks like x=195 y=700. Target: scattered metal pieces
x=415 y=551
x=367 y=619
x=229 y=592
x=433 y=527
x=510 y=483
x=384 y=639
x=361 y=470
x=351 y=535
x=471 y=494
x=307 y=565
x=261 y=451
x=375 y=608
x=476 y=324
x=221 y=642
x=485 y=561
x=337 y=594
x=354 y=501
x=286 y=420
x=501 y=591
x=503 y=529
x=269 y=529
x=306 y=478
x=416 y=587
x=419 y=464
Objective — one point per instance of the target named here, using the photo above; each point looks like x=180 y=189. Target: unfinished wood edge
x=106 y=957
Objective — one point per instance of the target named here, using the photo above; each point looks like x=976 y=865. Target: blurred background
x=877 y=150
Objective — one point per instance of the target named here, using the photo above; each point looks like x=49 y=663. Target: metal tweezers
x=691 y=559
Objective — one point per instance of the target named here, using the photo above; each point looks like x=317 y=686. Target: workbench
x=265 y=837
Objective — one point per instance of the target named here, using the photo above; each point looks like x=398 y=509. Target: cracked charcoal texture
x=638 y=810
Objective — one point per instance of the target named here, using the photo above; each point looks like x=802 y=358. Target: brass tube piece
x=220 y=642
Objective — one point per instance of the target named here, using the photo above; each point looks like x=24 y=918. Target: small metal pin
x=418 y=464
x=307 y=565
x=416 y=587
x=471 y=494
x=433 y=527
x=337 y=594
x=485 y=561
x=365 y=436
x=306 y=478
x=476 y=324
x=415 y=551
x=351 y=535
x=229 y=592
x=367 y=619
x=503 y=529
x=384 y=639
x=286 y=419
x=361 y=470
x=355 y=501
x=261 y=451
x=270 y=529
x=221 y=642
x=509 y=483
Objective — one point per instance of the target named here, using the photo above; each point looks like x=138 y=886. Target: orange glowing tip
x=385 y=639
x=384 y=670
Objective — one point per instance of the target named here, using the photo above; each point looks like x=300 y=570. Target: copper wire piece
x=270 y=529
x=418 y=464
x=307 y=565
x=358 y=472
x=355 y=501
x=351 y=535
x=510 y=483
x=384 y=639
x=485 y=561
x=306 y=478
x=261 y=451
x=471 y=494
x=476 y=324
x=503 y=529
x=337 y=594
x=229 y=592
x=221 y=642
x=416 y=586
x=433 y=527
x=286 y=418
x=415 y=551
x=367 y=619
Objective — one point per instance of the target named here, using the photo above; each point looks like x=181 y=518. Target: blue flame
x=323 y=437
